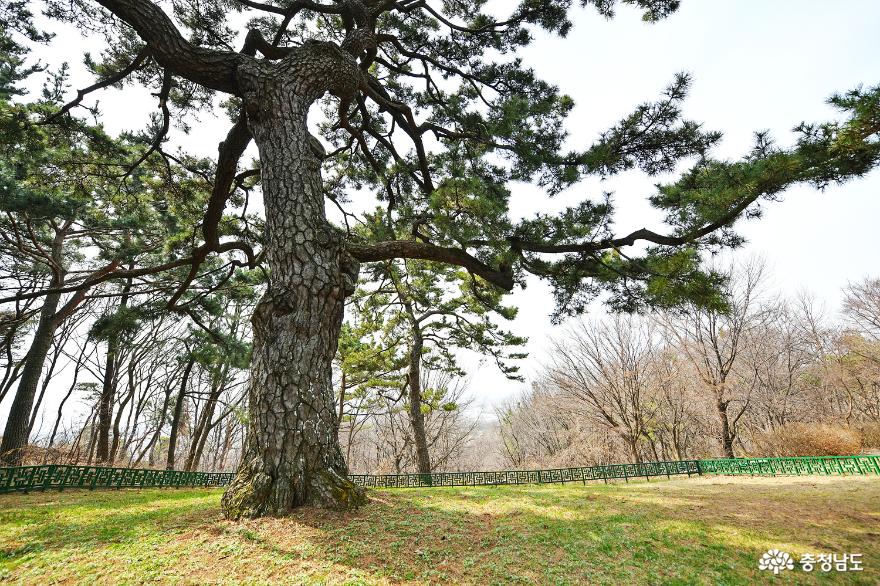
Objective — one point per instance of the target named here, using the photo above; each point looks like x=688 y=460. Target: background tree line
x=767 y=377
x=137 y=270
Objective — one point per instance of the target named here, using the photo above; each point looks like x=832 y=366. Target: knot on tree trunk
x=349 y=269
x=308 y=72
x=359 y=40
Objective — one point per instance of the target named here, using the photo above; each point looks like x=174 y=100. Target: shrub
x=870 y=436
x=813 y=439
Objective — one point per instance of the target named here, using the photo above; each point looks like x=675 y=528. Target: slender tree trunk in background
x=414 y=385
x=200 y=435
x=292 y=455
x=137 y=408
x=15 y=435
x=47 y=377
x=11 y=372
x=108 y=391
x=223 y=452
x=341 y=399
x=70 y=390
x=177 y=414
x=114 y=444
x=158 y=431
x=105 y=402
x=653 y=445
x=10 y=375
x=726 y=433
x=198 y=446
x=93 y=435
x=633 y=442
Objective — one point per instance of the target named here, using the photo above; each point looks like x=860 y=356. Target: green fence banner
x=62 y=476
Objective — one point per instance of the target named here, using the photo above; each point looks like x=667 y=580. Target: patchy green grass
x=709 y=530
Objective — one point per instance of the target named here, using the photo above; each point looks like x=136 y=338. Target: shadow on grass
x=615 y=534
x=90 y=520
x=658 y=532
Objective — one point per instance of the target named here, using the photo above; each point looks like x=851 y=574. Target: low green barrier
x=807 y=466
x=607 y=472
x=60 y=476
x=824 y=465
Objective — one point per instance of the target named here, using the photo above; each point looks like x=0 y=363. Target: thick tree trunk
x=15 y=435
x=416 y=417
x=292 y=455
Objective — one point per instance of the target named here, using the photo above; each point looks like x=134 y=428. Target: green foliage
x=16 y=25
x=701 y=207
x=444 y=305
x=448 y=115
x=124 y=322
x=369 y=373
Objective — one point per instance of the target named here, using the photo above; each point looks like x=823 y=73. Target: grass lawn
x=706 y=530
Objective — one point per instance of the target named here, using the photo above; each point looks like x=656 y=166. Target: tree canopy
x=427 y=109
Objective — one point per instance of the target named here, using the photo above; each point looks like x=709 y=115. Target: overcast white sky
x=756 y=65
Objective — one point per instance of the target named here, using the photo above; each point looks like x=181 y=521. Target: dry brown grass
x=809 y=439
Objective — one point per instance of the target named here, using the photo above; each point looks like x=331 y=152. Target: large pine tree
x=426 y=104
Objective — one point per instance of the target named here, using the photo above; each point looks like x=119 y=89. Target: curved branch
x=641 y=234
x=108 y=273
x=208 y=67
x=139 y=60
x=501 y=277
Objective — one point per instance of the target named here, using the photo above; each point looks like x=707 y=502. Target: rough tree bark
x=292 y=454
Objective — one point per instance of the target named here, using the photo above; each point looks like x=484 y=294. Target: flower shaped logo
x=776 y=560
